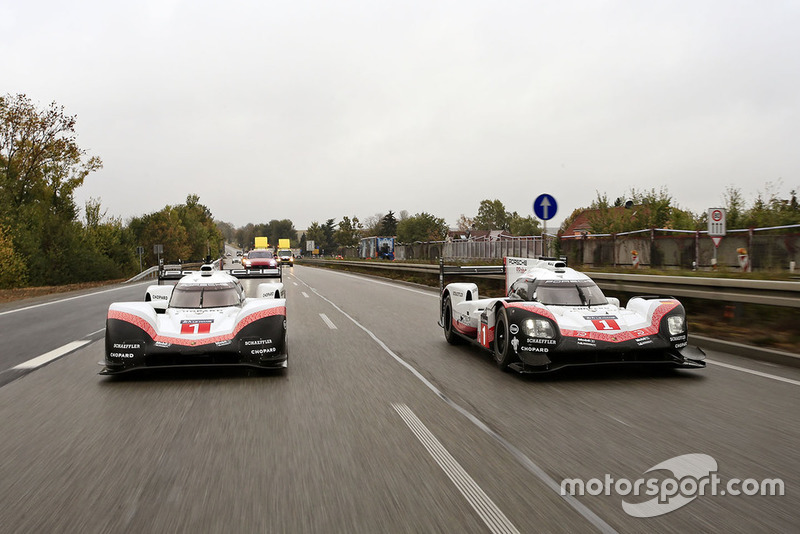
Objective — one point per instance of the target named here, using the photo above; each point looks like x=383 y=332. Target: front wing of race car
x=132 y=341
x=651 y=344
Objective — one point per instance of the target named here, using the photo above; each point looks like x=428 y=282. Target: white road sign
x=716 y=222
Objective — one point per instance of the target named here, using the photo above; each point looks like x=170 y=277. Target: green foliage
x=328 y=229
x=523 y=226
x=316 y=234
x=228 y=232
x=421 y=227
x=349 y=232
x=41 y=165
x=186 y=231
x=13 y=272
x=492 y=215
x=388 y=226
x=274 y=231
x=40 y=161
x=650 y=209
x=769 y=209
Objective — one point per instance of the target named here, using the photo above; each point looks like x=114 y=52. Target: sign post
x=545 y=208
x=716 y=230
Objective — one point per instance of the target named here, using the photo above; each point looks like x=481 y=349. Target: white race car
x=554 y=317
x=203 y=320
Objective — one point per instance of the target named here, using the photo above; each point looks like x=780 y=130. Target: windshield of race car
x=558 y=292
x=260 y=254
x=204 y=296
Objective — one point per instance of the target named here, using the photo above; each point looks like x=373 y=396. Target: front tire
x=447 y=320
x=503 y=355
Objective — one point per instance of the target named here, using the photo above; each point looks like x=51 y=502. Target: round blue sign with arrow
x=545 y=207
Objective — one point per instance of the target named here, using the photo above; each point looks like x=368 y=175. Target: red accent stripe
x=533 y=309
x=148 y=328
x=620 y=337
x=466 y=330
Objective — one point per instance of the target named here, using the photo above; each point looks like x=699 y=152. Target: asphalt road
x=378 y=425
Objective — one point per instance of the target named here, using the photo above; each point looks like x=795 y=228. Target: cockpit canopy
x=217 y=295
x=557 y=292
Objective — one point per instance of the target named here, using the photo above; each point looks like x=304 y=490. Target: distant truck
x=286 y=257
x=376 y=248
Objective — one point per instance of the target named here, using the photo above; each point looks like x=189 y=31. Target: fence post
x=652 y=244
x=614 y=248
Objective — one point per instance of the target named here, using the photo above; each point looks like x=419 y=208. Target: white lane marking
x=295 y=283
x=526 y=462
x=65 y=300
x=328 y=321
x=620 y=421
x=305 y=294
x=757 y=373
x=52 y=355
x=495 y=519
x=97 y=331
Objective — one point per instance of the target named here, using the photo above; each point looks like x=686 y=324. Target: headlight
x=676 y=324
x=541 y=328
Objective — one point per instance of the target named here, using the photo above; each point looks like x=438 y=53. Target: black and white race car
x=554 y=317
x=204 y=319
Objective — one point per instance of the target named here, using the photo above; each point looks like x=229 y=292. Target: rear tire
x=503 y=355
x=447 y=320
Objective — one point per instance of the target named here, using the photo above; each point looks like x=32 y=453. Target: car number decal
x=196 y=327
x=605 y=324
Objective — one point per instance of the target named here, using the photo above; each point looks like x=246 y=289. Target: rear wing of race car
x=174 y=272
x=467 y=270
x=512 y=268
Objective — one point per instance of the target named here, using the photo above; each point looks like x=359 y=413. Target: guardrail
x=152 y=272
x=767 y=292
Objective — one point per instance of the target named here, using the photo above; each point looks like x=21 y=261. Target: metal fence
x=478 y=249
x=774 y=248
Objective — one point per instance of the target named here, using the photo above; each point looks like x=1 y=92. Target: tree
x=40 y=159
x=203 y=236
x=110 y=244
x=282 y=229
x=162 y=228
x=388 y=225
x=316 y=234
x=348 y=233
x=465 y=224
x=328 y=229
x=41 y=165
x=649 y=209
x=734 y=207
x=12 y=266
x=523 y=226
x=228 y=232
x=421 y=227
x=372 y=225
x=492 y=215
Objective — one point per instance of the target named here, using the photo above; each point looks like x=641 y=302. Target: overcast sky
x=316 y=109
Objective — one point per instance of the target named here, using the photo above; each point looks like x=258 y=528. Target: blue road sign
x=545 y=207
